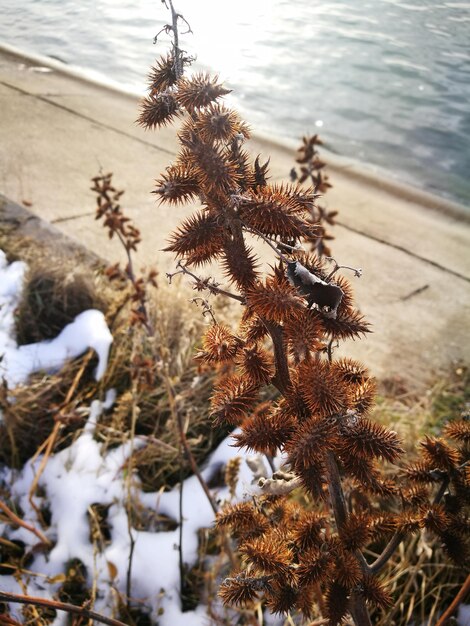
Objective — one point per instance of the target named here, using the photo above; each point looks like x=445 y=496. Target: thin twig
x=389 y=549
x=255 y=231
x=178 y=420
x=59 y=606
x=17 y=520
x=180 y=534
x=357 y=270
x=176 y=414
x=206 y=308
x=173 y=27
x=203 y=283
x=132 y=277
x=464 y=590
x=51 y=440
x=130 y=513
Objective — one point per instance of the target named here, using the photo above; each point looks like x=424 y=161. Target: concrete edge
x=22 y=223
x=348 y=167
x=82 y=75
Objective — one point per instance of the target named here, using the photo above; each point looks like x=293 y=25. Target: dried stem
x=267 y=240
x=203 y=283
x=50 y=443
x=130 y=513
x=173 y=27
x=17 y=520
x=358 y=606
x=59 y=606
x=357 y=270
x=178 y=420
x=180 y=533
x=281 y=379
x=142 y=309
x=459 y=598
x=389 y=549
x=51 y=440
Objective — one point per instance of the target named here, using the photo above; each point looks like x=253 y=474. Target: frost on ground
x=82 y=475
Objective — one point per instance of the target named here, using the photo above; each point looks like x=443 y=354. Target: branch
x=173 y=28
x=206 y=308
x=281 y=379
x=178 y=420
x=203 y=283
x=255 y=231
x=17 y=520
x=128 y=505
x=389 y=549
x=358 y=608
x=49 y=443
x=464 y=590
x=59 y=606
x=335 y=489
x=357 y=271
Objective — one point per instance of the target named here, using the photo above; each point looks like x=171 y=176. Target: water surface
x=383 y=81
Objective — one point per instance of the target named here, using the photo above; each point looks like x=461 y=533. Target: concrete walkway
x=57 y=131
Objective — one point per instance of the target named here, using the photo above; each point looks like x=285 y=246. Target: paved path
x=57 y=130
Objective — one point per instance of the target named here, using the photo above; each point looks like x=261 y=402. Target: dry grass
x=421 y=579
x=422 y=582
x=51 y=300
x=134 y=371
x=415 y=415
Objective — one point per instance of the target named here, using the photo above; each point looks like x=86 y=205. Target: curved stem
x=464 y=590
x=59 y=606
x=19 y=522
x=389 y=549
x=201 y=283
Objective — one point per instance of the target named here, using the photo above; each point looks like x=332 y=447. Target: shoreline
x=357 y=170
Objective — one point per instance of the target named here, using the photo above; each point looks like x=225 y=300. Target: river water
x=386 y=82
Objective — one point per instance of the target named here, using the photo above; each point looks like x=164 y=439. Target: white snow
x=463 y=615
x=11 y=280
x=88 y=330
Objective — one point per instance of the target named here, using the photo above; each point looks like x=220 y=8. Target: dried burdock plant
x=118 y=224
x=326 y=554
x=311 y=169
